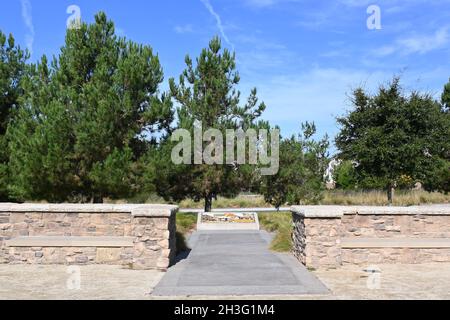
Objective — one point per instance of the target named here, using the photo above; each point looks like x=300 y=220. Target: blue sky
x=304 y=56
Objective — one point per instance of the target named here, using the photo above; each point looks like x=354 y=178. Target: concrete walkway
x=236 y=263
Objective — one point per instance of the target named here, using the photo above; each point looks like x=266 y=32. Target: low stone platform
x=409 y=243
x=78 y=242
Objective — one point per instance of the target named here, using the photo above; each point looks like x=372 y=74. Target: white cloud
x=425 y=43
x=270 y=3
x=417 y=44
x=386 y=4
x=218 y=21
x=356 y=3
x=320 y=94
x=320 y=91
x=184 y=29
x=258 y=55
x=28 y=21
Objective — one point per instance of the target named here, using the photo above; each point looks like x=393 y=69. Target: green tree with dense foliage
x=12 y=68
x=348 y=178
x=392 y=134
x=87 y=118
x=206 y=94
x=438 y=178
x=303 y=162
x=345 y=176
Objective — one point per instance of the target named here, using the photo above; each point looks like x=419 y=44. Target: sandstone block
x=4 y=219
x=108 y=255
x=81 y=259
x=164 y=244
x=163 y=263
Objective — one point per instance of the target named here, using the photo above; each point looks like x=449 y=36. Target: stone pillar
x=155 y=243
x=316 y=237
x=299 y=238
x=5 y=234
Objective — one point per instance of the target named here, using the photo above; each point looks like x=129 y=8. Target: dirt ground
x=60 y=282
x=427 y=281
x=411 y=282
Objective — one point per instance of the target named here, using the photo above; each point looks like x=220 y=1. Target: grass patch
x=279 y=223
x=186 y=224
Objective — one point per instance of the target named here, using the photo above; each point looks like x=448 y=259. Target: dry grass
x=379 y=198
x=242 y=201
x=334 y=197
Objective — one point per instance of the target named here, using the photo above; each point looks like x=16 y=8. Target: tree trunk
x=208 y=203
x=97 y=199
x=390 y=194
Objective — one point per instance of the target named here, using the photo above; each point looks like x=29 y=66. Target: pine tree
x=206 y=95
x=88 y=118
x=303 y=162
x=12 y=67
x=446 y=98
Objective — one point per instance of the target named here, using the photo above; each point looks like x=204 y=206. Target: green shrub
x=345 y=176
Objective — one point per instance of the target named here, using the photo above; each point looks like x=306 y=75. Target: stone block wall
x=395 y=225
x=150 y=228
x=399 y=224
x=319 y=233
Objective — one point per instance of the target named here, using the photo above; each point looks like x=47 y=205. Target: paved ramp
x=237 y=263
